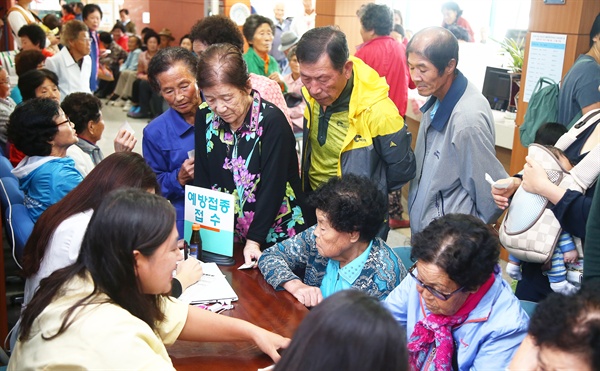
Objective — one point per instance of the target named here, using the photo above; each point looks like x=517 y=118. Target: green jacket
x=257 y=65
x=377 y=144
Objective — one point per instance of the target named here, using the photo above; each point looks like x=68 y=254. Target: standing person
x=351 y=125
x=111 y=307
x=78 y=9
x=218 y=29
x=388 y=57
x=244 y=148
x=73 y=64
x=168 y=138
x=258 y=31
x=453 y=17
x=282 y=25
x=92 y=16
x=18 y=16
x=456 y=142
x=126 y=21
x=306 y=21
x=579 y=92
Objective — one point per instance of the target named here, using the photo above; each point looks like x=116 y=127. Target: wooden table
x=258 y=303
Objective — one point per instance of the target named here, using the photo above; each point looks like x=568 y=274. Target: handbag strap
x=584 y=122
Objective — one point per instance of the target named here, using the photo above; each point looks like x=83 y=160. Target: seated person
x=7 y=106
x=33 y=37
x=457 y=310
x=355 y=328
x=111 y=59
x=40 y=129
x=83 y=109
x=128 y=70
x=26 y=60
x=56 y=240
x=110 y=309
x=564 y=252
x=563 y=333
x=35 y=83
x=341 y=251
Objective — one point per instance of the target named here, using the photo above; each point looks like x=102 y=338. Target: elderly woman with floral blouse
x=245 y=147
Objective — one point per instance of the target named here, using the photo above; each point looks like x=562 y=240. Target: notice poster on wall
x=546 y=57
x=214 y=211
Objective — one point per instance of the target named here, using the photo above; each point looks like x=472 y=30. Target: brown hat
x=166 y=32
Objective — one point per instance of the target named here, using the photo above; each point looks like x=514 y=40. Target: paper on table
x=212 y=287
x=247 y=265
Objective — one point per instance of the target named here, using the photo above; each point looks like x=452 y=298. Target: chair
x=18 y=222
x=403 y=253
x=528 y=307
x=5 y=168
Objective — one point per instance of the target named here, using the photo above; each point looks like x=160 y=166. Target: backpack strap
x=586 y=172
x=580 y=126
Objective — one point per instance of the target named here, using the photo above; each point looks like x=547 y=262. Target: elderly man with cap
x=351 y=124
x=456 y=141
x=166 y=37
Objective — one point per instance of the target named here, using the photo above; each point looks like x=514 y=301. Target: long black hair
x=127 y=220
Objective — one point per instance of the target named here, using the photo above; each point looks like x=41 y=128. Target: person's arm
x=592 y=241
x=278 y=262
x=64 y=181
x=399 y=157
x=158 y=160
x=475 y=153
x=204 y=325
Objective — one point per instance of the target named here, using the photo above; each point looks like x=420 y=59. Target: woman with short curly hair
x=41 y=130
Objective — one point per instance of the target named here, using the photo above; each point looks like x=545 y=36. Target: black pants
x=534 y=286
x=150 y=102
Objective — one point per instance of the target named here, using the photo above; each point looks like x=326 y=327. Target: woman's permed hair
x=570 y=323
x=217 y=29
x=31 y=126
x=81 y=108
x=28 y=60
x=222 y=64
x=119 y=170
x=461 y=245
x=348 y=331
x=352 y=203
x=127 y=220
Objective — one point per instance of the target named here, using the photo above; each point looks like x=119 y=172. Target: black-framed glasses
x=434 y=292
x=67 y=121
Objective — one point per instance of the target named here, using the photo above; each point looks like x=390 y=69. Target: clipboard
x=212 y=287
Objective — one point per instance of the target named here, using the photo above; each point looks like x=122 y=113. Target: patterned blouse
x=381 y=273
x=258 y=165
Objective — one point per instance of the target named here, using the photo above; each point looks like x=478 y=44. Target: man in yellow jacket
x=351 y=125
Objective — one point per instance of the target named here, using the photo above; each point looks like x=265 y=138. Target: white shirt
x=16 y=20
x=71 y=78
x=62 y=250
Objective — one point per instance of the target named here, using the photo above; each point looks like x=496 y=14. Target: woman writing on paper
x=110 y=309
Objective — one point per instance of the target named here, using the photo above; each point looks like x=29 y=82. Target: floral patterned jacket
x=257 y=164
x=278 y=263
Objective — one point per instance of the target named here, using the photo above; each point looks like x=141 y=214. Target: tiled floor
x=114 y=118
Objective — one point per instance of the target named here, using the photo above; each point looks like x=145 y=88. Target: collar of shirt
x=342 y=103
x=180 y=126
x=456 y=91
x=351 y=271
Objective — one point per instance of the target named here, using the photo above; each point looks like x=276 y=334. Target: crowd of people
x=105 y=248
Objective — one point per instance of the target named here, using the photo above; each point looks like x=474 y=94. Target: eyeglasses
x=65 y=122
x=433 y=291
